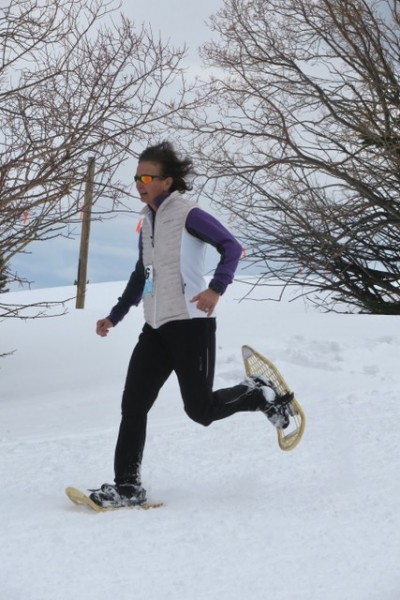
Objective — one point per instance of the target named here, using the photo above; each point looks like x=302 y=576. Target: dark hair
x=171 y=165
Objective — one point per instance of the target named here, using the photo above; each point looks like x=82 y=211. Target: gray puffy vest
x=173 y=262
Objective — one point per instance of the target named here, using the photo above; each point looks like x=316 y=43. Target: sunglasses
x=146 y=179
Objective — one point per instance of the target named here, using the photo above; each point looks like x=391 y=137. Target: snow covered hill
x=242 y=519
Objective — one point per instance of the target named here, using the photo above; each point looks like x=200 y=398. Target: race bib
x=148 y=281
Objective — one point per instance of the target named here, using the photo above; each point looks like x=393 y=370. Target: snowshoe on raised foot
x=282 y=406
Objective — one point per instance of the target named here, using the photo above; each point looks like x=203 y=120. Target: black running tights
x=188 y=348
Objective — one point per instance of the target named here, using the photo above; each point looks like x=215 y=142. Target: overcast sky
x=113 y=243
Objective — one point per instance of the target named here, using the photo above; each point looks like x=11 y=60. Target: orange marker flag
x=139 y=225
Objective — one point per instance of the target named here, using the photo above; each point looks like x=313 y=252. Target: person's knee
x=136 y=405
x=199 y=415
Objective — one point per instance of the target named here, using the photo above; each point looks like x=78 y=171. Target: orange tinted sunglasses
x=146 y=179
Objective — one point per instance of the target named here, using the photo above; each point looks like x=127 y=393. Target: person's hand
x=103 y=326
x=206 y=301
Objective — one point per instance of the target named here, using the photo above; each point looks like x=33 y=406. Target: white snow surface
x=241 y=519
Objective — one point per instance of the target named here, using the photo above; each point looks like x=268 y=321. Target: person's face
x=149 y=191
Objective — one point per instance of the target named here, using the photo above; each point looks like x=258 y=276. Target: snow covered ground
x=242 y=519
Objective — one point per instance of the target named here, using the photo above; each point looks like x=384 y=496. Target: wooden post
x=85 y=233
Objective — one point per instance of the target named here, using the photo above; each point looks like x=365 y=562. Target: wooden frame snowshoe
x=78 y=497
x=256 y=364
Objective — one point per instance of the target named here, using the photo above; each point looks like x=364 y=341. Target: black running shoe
x=276 y=408
x=280 y=411
x=118 y=496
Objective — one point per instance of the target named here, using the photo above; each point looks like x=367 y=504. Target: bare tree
x=302 y=146
x=76 y=80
